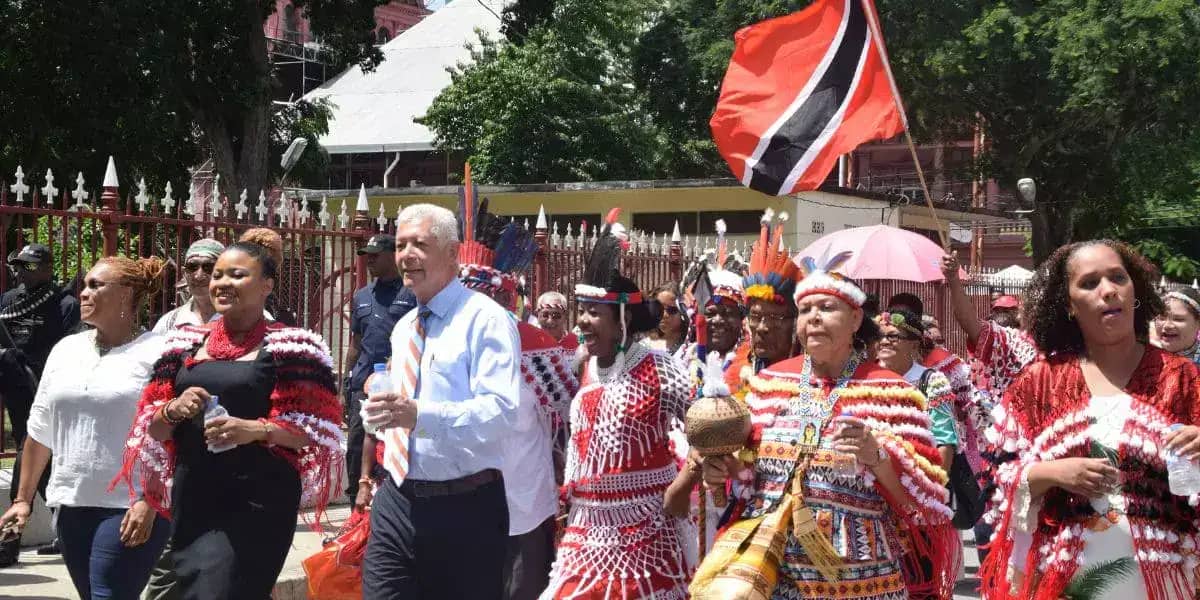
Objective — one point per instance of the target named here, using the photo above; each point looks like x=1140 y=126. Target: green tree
x=1085 y=96
x=559 y=107
x=162 y=84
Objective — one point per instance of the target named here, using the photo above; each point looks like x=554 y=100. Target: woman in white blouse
x=80 y=419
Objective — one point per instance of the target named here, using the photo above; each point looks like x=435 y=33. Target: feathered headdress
x=493 y=254
x=772 y=275
x=602 y=272
x=821 y=277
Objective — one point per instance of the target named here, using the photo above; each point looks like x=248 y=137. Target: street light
x=291 y=156
x=1027 y=189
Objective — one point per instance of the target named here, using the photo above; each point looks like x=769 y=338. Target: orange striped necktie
x=396 y=440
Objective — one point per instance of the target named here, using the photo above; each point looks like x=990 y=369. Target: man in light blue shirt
x=442 y=531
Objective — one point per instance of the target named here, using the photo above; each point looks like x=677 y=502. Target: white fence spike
x=189 y=205
x=343 y=216
x=79 y=194
x=241 y=208
x=284 y=209
x=19 y=188
x=49 y=192
x=323 y=215
x=141 y=199
x=167 y=202
x=382 y=219
x=261 y=210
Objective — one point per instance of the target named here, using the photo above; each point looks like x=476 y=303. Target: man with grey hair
x=455 y=374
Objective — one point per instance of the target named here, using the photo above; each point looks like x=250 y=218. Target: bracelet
x=267 y=427
x=166 y=417
x=16 y=500
x=365 y=480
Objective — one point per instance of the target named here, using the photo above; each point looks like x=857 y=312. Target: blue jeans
x=101 y=567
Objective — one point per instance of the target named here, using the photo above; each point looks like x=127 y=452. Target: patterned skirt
x=859 y=581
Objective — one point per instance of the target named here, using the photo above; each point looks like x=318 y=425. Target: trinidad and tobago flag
x=802 y=90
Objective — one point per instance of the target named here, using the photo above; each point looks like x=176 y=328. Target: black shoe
x=50 y=549
x=10 y=551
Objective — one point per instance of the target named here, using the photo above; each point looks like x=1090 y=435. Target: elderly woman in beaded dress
x=619 y=544
x=846 y=452
x=1085 y=433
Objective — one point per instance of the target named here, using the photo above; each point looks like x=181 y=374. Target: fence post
x=675 y=255
x=108 y=210
x=362 y=226
x=541 y=271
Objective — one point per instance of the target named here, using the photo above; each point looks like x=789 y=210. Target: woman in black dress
x=234 y=511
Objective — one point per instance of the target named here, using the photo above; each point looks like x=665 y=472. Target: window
x=382 y=36
x=737 y=222
x=291 y=27
x=664 y=223
x=818 y=226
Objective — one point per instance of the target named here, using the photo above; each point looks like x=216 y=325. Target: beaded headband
x=590 y=293
x=897 y=320
x=487 y=278
x=1184 y=299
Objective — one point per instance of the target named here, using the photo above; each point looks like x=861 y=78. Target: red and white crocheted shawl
x=1003 y=352
x=304 y=401
x=1042 y=417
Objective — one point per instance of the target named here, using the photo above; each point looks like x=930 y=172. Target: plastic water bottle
x=1183 y=475
x=212 y=411
x=845 y=465
x=381 y=382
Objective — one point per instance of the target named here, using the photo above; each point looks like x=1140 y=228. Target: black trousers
x=529 y=558
x=429 y=548
x=354 y=442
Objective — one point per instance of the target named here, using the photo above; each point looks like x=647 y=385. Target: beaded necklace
x=221 y=347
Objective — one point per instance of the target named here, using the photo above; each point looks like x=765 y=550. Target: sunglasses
x=192 y=267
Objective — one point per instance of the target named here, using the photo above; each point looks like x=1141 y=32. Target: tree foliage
x=559 y=107
x=161 y=84
x=1084 y=96
x=1091 y=98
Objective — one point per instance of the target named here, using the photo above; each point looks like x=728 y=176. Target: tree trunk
x=240 y=143
x=1052 y=226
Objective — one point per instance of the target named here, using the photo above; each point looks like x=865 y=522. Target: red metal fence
x=317 y=278
x=320 y=271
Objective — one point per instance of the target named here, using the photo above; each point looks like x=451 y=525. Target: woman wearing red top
x=1084 y=434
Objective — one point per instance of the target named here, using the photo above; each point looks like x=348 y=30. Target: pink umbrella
x=881 y=252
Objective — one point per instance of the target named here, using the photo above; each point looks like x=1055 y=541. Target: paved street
x=45 y=577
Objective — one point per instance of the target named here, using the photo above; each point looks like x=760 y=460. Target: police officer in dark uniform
x=376 y=308
x=36 y=315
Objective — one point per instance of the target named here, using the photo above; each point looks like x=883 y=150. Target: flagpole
x=877 y=36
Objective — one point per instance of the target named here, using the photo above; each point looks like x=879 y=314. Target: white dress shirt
x=82 y=412
x=468 y=391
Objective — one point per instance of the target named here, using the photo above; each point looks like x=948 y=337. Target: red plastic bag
x=335 y=573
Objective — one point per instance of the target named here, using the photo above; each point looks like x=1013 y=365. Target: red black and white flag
x=802 y=90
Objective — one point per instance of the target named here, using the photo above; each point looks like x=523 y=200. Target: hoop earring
x=1137 y=304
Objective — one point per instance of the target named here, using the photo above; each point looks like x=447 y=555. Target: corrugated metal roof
x=374 y=111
